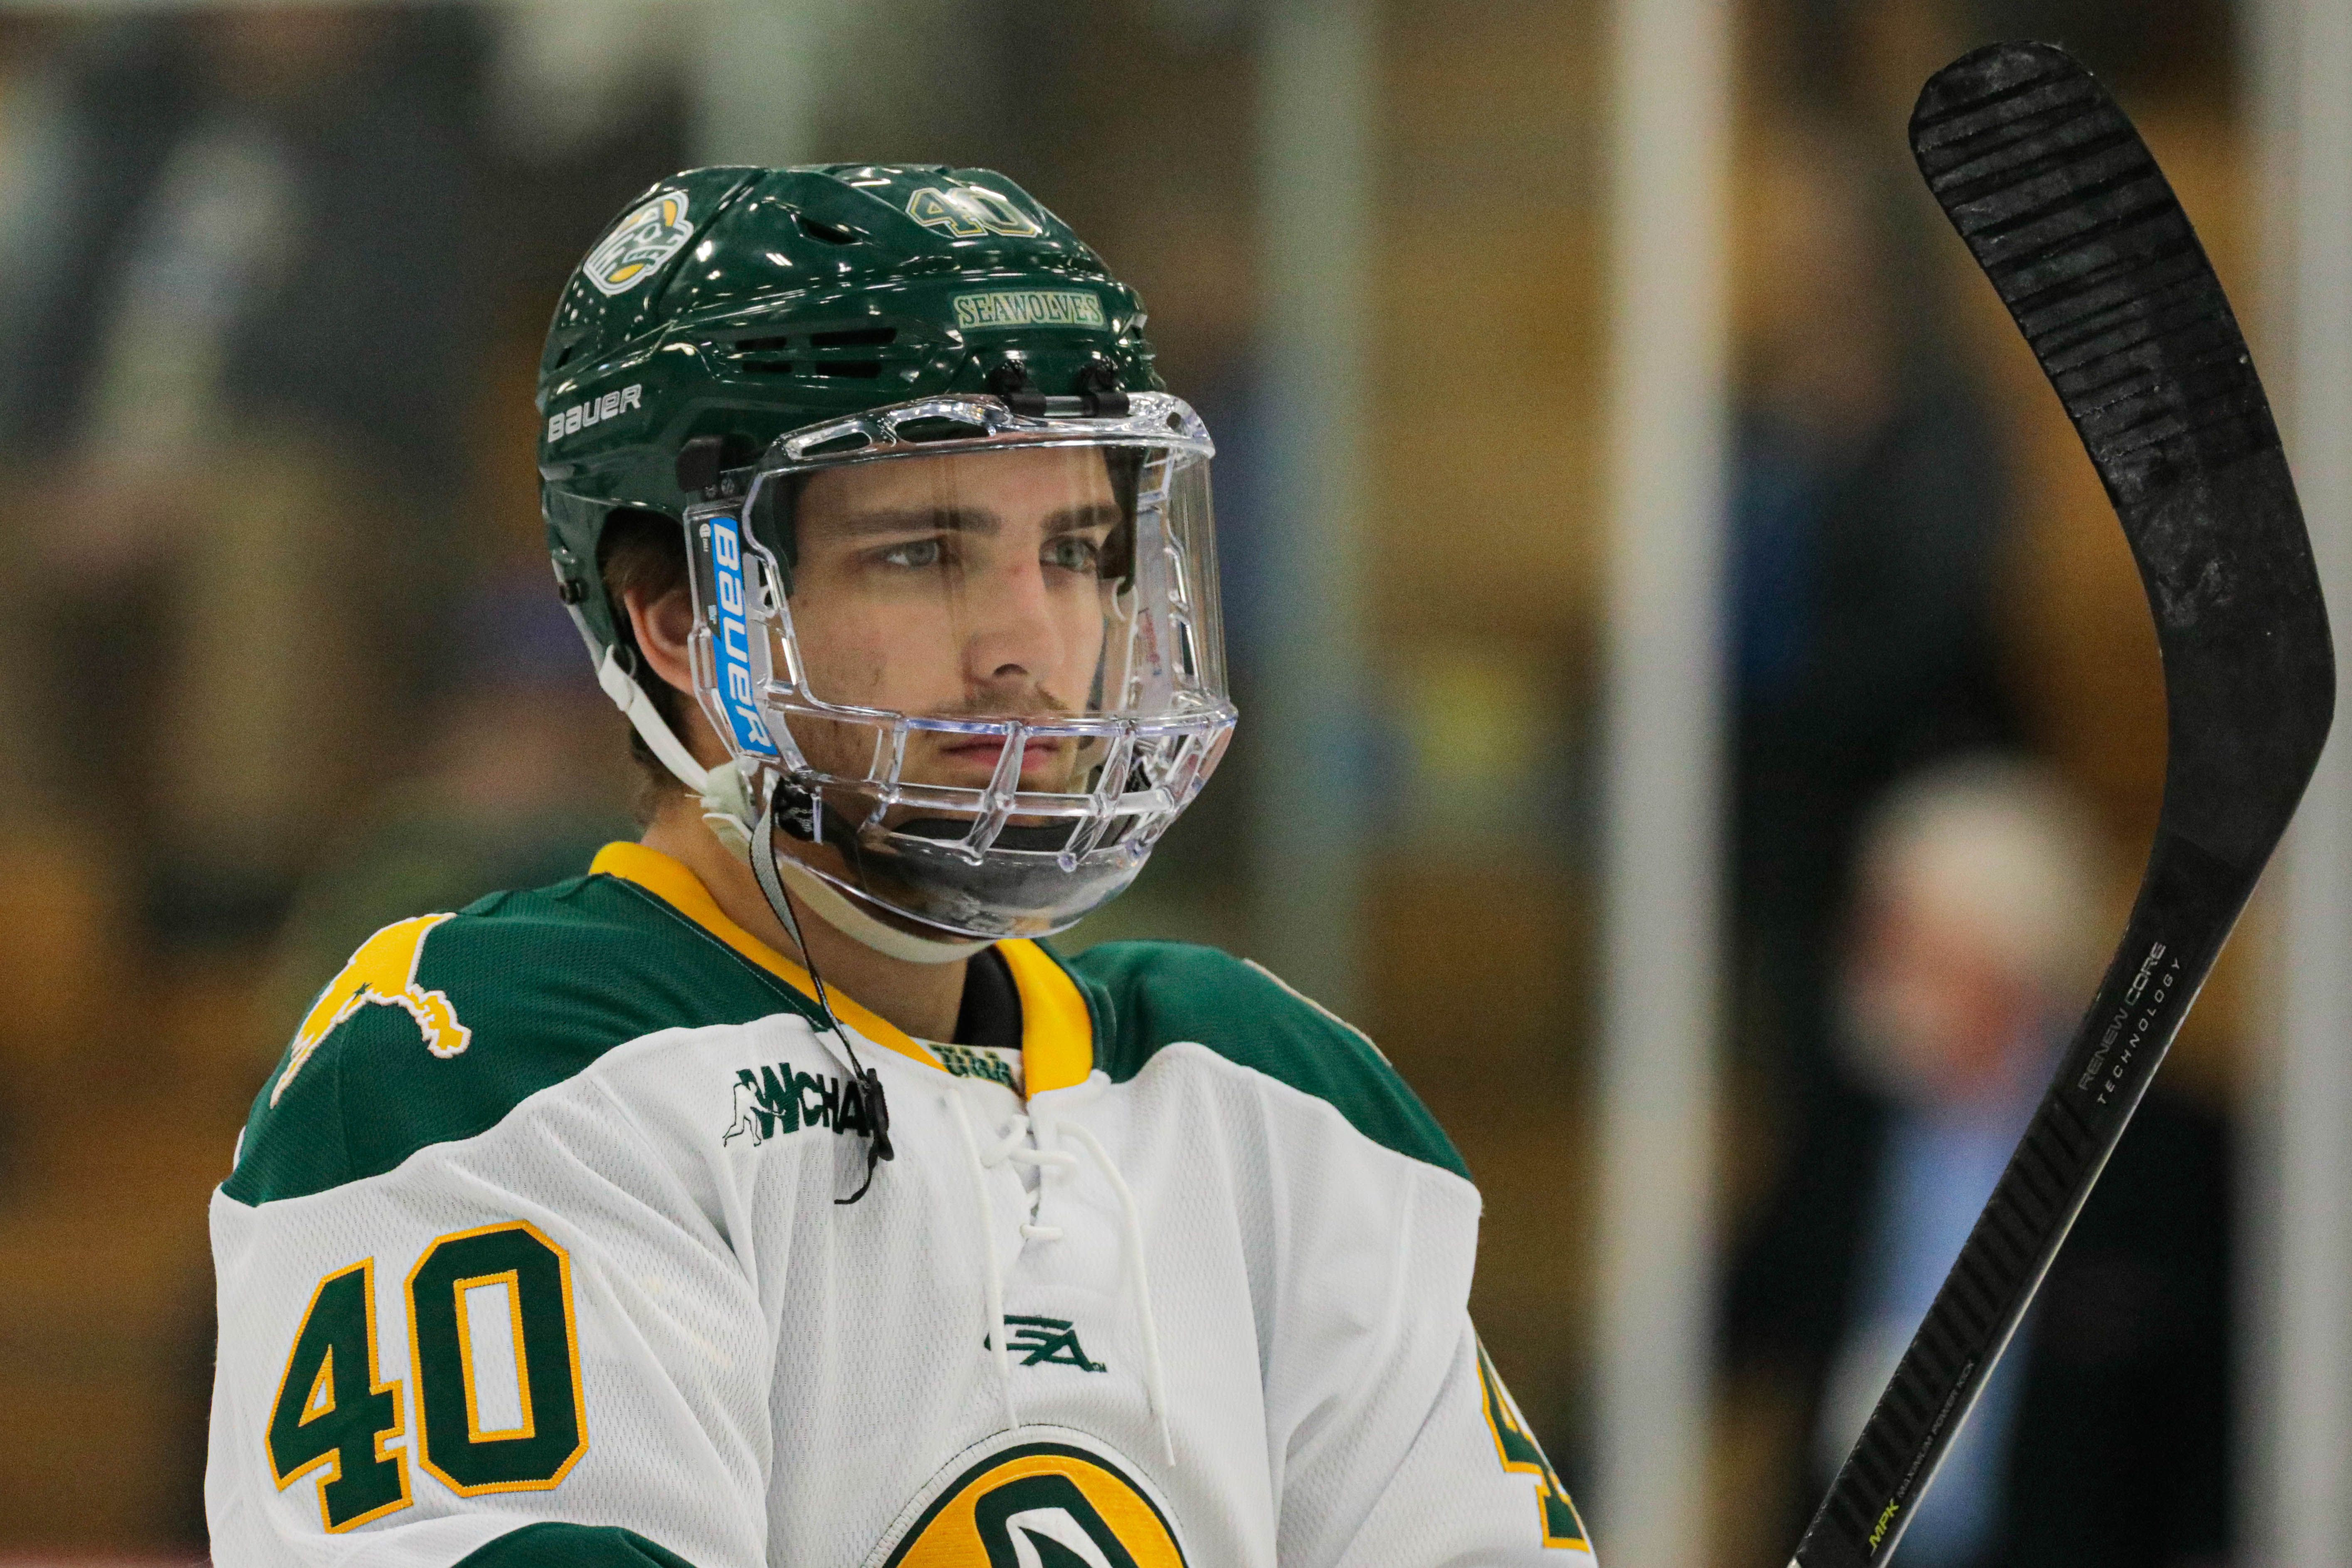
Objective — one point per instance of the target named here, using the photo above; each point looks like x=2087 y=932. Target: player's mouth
x=1040 y=757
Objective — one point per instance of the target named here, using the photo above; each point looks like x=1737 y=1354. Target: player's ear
x=662 y=623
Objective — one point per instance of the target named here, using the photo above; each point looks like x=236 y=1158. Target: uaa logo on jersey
x=646 y=239
x=1044 y=1522
x=1039 y=1505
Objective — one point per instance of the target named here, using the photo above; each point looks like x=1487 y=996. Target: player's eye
x=1072 y=553
x=913 y=554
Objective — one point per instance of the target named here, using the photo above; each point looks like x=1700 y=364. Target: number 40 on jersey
x=495 y=1354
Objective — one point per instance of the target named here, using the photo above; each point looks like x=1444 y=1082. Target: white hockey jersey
x=532 y=1254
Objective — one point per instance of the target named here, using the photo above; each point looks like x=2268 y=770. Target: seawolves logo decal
x=1039 y=1504
x=634 y=251
x=1029 y=308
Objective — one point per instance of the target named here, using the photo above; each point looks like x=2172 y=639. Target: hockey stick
x=2070 y=219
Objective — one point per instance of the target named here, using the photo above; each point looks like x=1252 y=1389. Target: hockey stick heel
x=2074 y=225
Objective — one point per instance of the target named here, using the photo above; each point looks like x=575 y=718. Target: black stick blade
x=2059 y=201
x=2080 y=236
x=2080 y=233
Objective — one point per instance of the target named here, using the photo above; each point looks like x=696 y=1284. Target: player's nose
x=1011 y=634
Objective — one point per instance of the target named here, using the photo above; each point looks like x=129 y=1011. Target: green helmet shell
x=741 y=304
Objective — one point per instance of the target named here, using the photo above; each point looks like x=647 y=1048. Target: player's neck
x=921 y=998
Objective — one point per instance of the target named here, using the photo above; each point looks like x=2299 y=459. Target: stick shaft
x=2185 y=911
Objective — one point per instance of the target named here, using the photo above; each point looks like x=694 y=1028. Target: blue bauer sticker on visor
x=733 y=639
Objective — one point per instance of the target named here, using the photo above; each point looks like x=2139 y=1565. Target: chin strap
x=616 y=673
x=725 y=805
x=869 y=1082
x=727 y=808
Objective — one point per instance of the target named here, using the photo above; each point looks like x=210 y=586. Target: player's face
x=961 y=586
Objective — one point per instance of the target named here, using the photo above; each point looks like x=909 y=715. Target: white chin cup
x=839 y=911
x=726 y=807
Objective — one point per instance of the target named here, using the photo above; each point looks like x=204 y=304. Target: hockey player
x=770 y=1194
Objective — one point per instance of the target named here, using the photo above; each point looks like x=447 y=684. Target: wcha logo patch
x=636 y=250
x=1041 y=1505
x=1043 y=1341
x=775 y=1100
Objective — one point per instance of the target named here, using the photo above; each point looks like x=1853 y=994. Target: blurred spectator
x=1867 y=515
x=2104 y=1437
x=235 y=374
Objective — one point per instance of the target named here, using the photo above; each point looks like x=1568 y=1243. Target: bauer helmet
x=949 y=538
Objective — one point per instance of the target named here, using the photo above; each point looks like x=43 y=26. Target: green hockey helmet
x=921 y=376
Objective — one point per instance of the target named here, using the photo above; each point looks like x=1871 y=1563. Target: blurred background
x=279 y=663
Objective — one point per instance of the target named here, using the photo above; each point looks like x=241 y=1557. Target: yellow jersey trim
x=1057 y=1032
x=669 y=880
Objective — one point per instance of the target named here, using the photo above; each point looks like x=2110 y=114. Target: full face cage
x=1077 y=787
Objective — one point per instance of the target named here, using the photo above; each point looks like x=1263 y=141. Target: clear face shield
x=980 y=650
